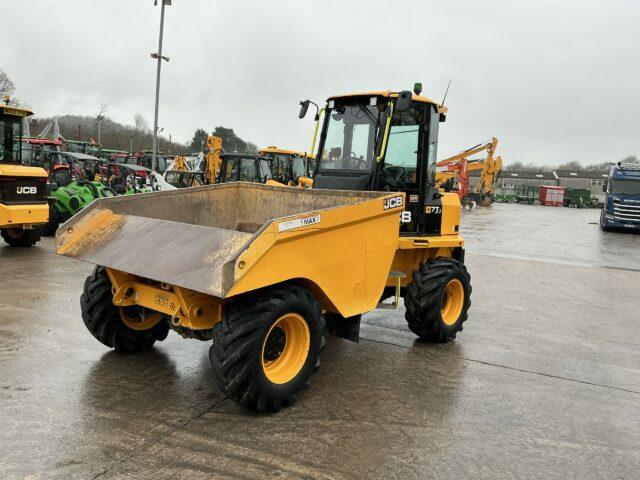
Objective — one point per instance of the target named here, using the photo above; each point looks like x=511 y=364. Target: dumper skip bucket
x=227 y=239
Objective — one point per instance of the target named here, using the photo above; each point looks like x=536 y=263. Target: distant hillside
x=113 y=135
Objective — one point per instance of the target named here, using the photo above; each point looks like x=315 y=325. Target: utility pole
x=99 y=118
x=158 y=56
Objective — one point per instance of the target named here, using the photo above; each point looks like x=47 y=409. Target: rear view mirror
x=403 y=103
x=304 y=106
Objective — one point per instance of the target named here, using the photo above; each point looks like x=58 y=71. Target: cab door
x=402 y=164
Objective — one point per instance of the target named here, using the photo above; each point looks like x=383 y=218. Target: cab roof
x=273 y=149
x=15 y=111
x=391 y=94
x=42 y=141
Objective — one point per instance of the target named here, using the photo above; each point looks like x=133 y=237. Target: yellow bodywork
x=283 y=151
x=302 y=181
x=212 y=159
x=391 y=94
x=412 y=251
x=243 y=238
x=180 y=164
x=15 y=111
x=20 y=216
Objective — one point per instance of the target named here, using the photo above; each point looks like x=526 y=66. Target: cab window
x=401 y=158
x=232 y=169
x=9 y=149
x=247 y=170
x=265 y=170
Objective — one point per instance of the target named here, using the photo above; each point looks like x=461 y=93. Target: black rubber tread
x=102 y=318
x=236 y=348
x=28 y=238
x=424 y=296
x=56 y=218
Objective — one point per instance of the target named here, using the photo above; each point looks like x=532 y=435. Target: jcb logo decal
x=27 y=190
x=393 y=202
x=434 y=210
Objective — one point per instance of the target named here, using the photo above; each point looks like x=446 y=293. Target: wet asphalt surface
x=544 y=382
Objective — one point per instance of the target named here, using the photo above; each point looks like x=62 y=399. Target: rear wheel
x=267 y=346
x=125 y=329
x=437 y=299
x=20 y=237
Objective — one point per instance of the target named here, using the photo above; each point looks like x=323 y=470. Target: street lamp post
x=158 y=56
x=99 y=118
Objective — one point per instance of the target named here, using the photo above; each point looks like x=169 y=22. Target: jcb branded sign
x=27 y=190
x=393 y=202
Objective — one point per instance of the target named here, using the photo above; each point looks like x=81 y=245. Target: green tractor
x=69 y=198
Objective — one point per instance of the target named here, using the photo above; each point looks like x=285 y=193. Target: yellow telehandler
x=23 y=189
x=269 y=269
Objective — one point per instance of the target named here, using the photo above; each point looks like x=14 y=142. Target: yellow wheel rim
x=452 y=302
x=285 y=348
x=135 y=322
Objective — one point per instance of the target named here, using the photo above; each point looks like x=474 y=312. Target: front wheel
x=56 y=218
x=20 y=237
x=267 y=346
x=437 y=299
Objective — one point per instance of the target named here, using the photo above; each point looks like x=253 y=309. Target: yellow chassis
x=23 y=216
x=198 y=311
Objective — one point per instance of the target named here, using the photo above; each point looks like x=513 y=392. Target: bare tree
x=7 y=87
x=140 y=128
x=99 y=119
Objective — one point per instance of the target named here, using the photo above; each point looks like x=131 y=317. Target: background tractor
x=82 y=189
x=374 y=225
x=290 y=167
x=23 y=189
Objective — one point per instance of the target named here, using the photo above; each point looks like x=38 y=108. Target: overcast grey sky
x=553 y=80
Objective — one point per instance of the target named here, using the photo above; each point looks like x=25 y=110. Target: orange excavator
x=453 y=174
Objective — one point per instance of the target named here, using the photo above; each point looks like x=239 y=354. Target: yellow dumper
x=23 y=189
x=263 y=271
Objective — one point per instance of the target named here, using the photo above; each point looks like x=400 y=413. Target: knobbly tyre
x=263 y=262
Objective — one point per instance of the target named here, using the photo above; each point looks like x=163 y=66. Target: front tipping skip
x=263 y=271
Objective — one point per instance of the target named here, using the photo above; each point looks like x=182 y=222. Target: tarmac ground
x=544 y=382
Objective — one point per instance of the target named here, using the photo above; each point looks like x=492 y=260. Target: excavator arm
x=458 y=167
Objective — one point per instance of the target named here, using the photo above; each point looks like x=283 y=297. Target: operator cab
x=236 y=167
x=11 y=134
x=384 y=141
x=289 y=167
